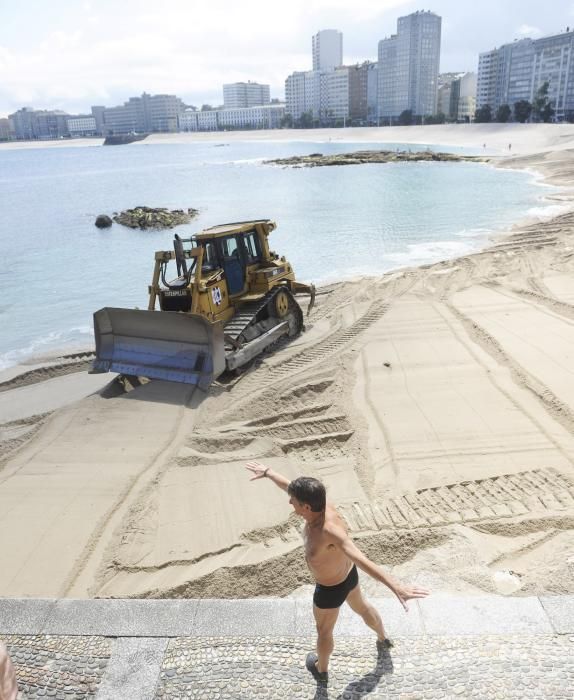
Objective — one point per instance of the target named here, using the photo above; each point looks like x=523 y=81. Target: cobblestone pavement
x=540 y=666
x=420 y=667
x=447 y=647
x=65 y=668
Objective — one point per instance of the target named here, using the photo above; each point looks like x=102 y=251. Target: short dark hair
x=309 y=491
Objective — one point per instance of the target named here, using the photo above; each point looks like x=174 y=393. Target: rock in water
x=103 y=221
x=149 y=218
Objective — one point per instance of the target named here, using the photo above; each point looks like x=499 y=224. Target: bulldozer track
x=247 y=312
x=538 y=299
x=319 y=352
x=290 y=435
x=252 y=382
x=525 y=241
x=536 y=492
x=304 y=427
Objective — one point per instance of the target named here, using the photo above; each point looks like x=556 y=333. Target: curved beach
x=435 y=402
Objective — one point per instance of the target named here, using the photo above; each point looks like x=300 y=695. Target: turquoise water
x=333 y=223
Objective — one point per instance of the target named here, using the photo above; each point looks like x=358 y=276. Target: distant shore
x=491 y=138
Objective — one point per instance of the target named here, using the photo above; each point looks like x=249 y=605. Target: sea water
x=334 y=223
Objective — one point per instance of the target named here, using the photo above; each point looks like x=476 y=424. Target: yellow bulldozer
x=231 y=299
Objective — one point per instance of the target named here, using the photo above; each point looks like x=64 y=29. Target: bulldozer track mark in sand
x=255 y=380
x=220 y=442
x=327 y=445
x=538 y=492
x=78 y=362
x=519 y=243
x=320 y=351
x=538 y=287
x=561 y=308
x=307 y=411
x=121 y=508
x=468 y=341
x=305 y=427
x=288 y=531
x=556 y=408
x=15 y=434
x=308 y=434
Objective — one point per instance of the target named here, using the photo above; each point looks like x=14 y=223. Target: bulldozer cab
x=234 y=254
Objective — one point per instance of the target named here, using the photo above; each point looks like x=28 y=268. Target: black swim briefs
x=335 y=596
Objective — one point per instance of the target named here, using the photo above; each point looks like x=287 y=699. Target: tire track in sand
x=556 y=408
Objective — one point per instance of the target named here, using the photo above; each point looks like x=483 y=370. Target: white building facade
x=325 y=95
x=409 y=65
x=464 y=97
x=516 y=71
x=333 y=94
x=261 y=117
x=327 y=46
x=148 y=113
x=239 y=95
x=82 y=126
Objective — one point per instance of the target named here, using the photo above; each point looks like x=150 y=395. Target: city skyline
x=70 y=56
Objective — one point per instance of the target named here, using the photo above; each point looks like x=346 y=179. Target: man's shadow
x=365 y=685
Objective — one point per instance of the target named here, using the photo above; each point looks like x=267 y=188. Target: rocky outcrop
x=315 y=160
x=103 y=221
x=159 y=218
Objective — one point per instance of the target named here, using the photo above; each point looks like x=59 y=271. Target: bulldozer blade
x=177 y=347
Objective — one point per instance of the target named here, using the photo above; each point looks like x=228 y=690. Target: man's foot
x=311 y=665
x=384 y=644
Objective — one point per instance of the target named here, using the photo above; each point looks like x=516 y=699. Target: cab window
x=252 y=248
x=229 y=247
x=209 y=257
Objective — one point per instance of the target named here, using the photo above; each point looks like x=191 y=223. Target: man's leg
x=367 y=611
x=325 y=619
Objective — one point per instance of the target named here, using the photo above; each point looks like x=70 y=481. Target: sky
x=71 y=54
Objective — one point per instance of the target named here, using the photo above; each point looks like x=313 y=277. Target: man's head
x=308 y=491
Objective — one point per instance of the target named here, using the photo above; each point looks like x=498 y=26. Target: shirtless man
x=332 y=558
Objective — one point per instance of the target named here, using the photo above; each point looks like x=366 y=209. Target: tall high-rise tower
x=327 y=49
x=409 y=65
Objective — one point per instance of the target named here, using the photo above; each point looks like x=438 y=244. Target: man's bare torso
x=325 y=559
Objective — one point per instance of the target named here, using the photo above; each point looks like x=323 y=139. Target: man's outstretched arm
x=403 y=592
x=260 y=471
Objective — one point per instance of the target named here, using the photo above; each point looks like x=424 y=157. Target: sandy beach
x=437 y=404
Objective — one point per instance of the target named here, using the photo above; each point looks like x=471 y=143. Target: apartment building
x=261 y=117
x=457 y=96
x=409 y=65
x=332 y=93
x=82 y=125
x=327 y=48
x=463 y=97
x=517 y=70
x=39 y=124
x=241 y=95
x=6 y=129
x=145 y=114
x=487 y=75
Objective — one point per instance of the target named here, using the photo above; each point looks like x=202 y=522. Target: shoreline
x=435 y=402
x=564 y=198
x=524 y=139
